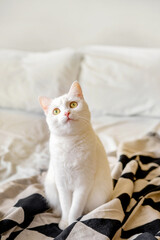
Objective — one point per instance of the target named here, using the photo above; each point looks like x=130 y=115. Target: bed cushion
x=121 y=81
x=25 y=75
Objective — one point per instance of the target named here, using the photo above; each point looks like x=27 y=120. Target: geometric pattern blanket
x=133 y=213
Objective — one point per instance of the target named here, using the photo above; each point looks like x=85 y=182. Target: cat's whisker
x=85 y=120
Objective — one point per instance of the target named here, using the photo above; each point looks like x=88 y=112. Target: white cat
x=78 y=179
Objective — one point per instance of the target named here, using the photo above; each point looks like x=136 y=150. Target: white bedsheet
x=113 y=131
x=23 y=144
x=24 y=140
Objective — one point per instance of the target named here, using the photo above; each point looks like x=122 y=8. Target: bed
x=113 y=49
x=121 y=86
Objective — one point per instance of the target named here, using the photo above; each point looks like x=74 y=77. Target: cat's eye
x=73 y=104
x=56 y=111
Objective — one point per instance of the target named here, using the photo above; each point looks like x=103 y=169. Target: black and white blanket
x=133 y=213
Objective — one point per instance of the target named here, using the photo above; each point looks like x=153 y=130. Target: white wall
x=40 y=25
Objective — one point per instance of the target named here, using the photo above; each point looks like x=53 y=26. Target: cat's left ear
x=45 y=102
x=75 y=90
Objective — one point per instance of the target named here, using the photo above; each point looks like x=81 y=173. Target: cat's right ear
x=44 y=102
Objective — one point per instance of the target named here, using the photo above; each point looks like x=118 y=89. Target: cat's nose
x=67 y=114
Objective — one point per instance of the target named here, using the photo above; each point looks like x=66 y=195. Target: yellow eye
x=73 y=104
x=56 y=111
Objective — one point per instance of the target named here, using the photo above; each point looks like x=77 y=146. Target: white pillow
x=24 y=76
x=121 y=81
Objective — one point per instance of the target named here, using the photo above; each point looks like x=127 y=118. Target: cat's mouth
x=70 y=119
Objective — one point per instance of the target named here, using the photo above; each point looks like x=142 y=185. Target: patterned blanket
x=133 y=213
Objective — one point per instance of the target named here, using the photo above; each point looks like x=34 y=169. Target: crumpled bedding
x=133 y=213
x=23 y=144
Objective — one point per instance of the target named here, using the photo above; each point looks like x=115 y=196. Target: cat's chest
x=73 y=160
x=72 y=152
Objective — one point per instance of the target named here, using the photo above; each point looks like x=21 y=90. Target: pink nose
x=67 y=114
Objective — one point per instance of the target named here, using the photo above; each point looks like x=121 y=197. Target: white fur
x=78 y=179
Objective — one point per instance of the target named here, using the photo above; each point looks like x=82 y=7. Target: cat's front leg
x=52 y=193
x=79 y=200
x=65 y=197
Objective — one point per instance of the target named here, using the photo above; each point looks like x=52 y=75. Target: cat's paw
x=71 y=220
x=63 y=224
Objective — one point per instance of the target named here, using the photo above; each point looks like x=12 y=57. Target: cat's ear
x=45 y=102
x=75 y=90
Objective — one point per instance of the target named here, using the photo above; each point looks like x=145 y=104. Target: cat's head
x=67 y=114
